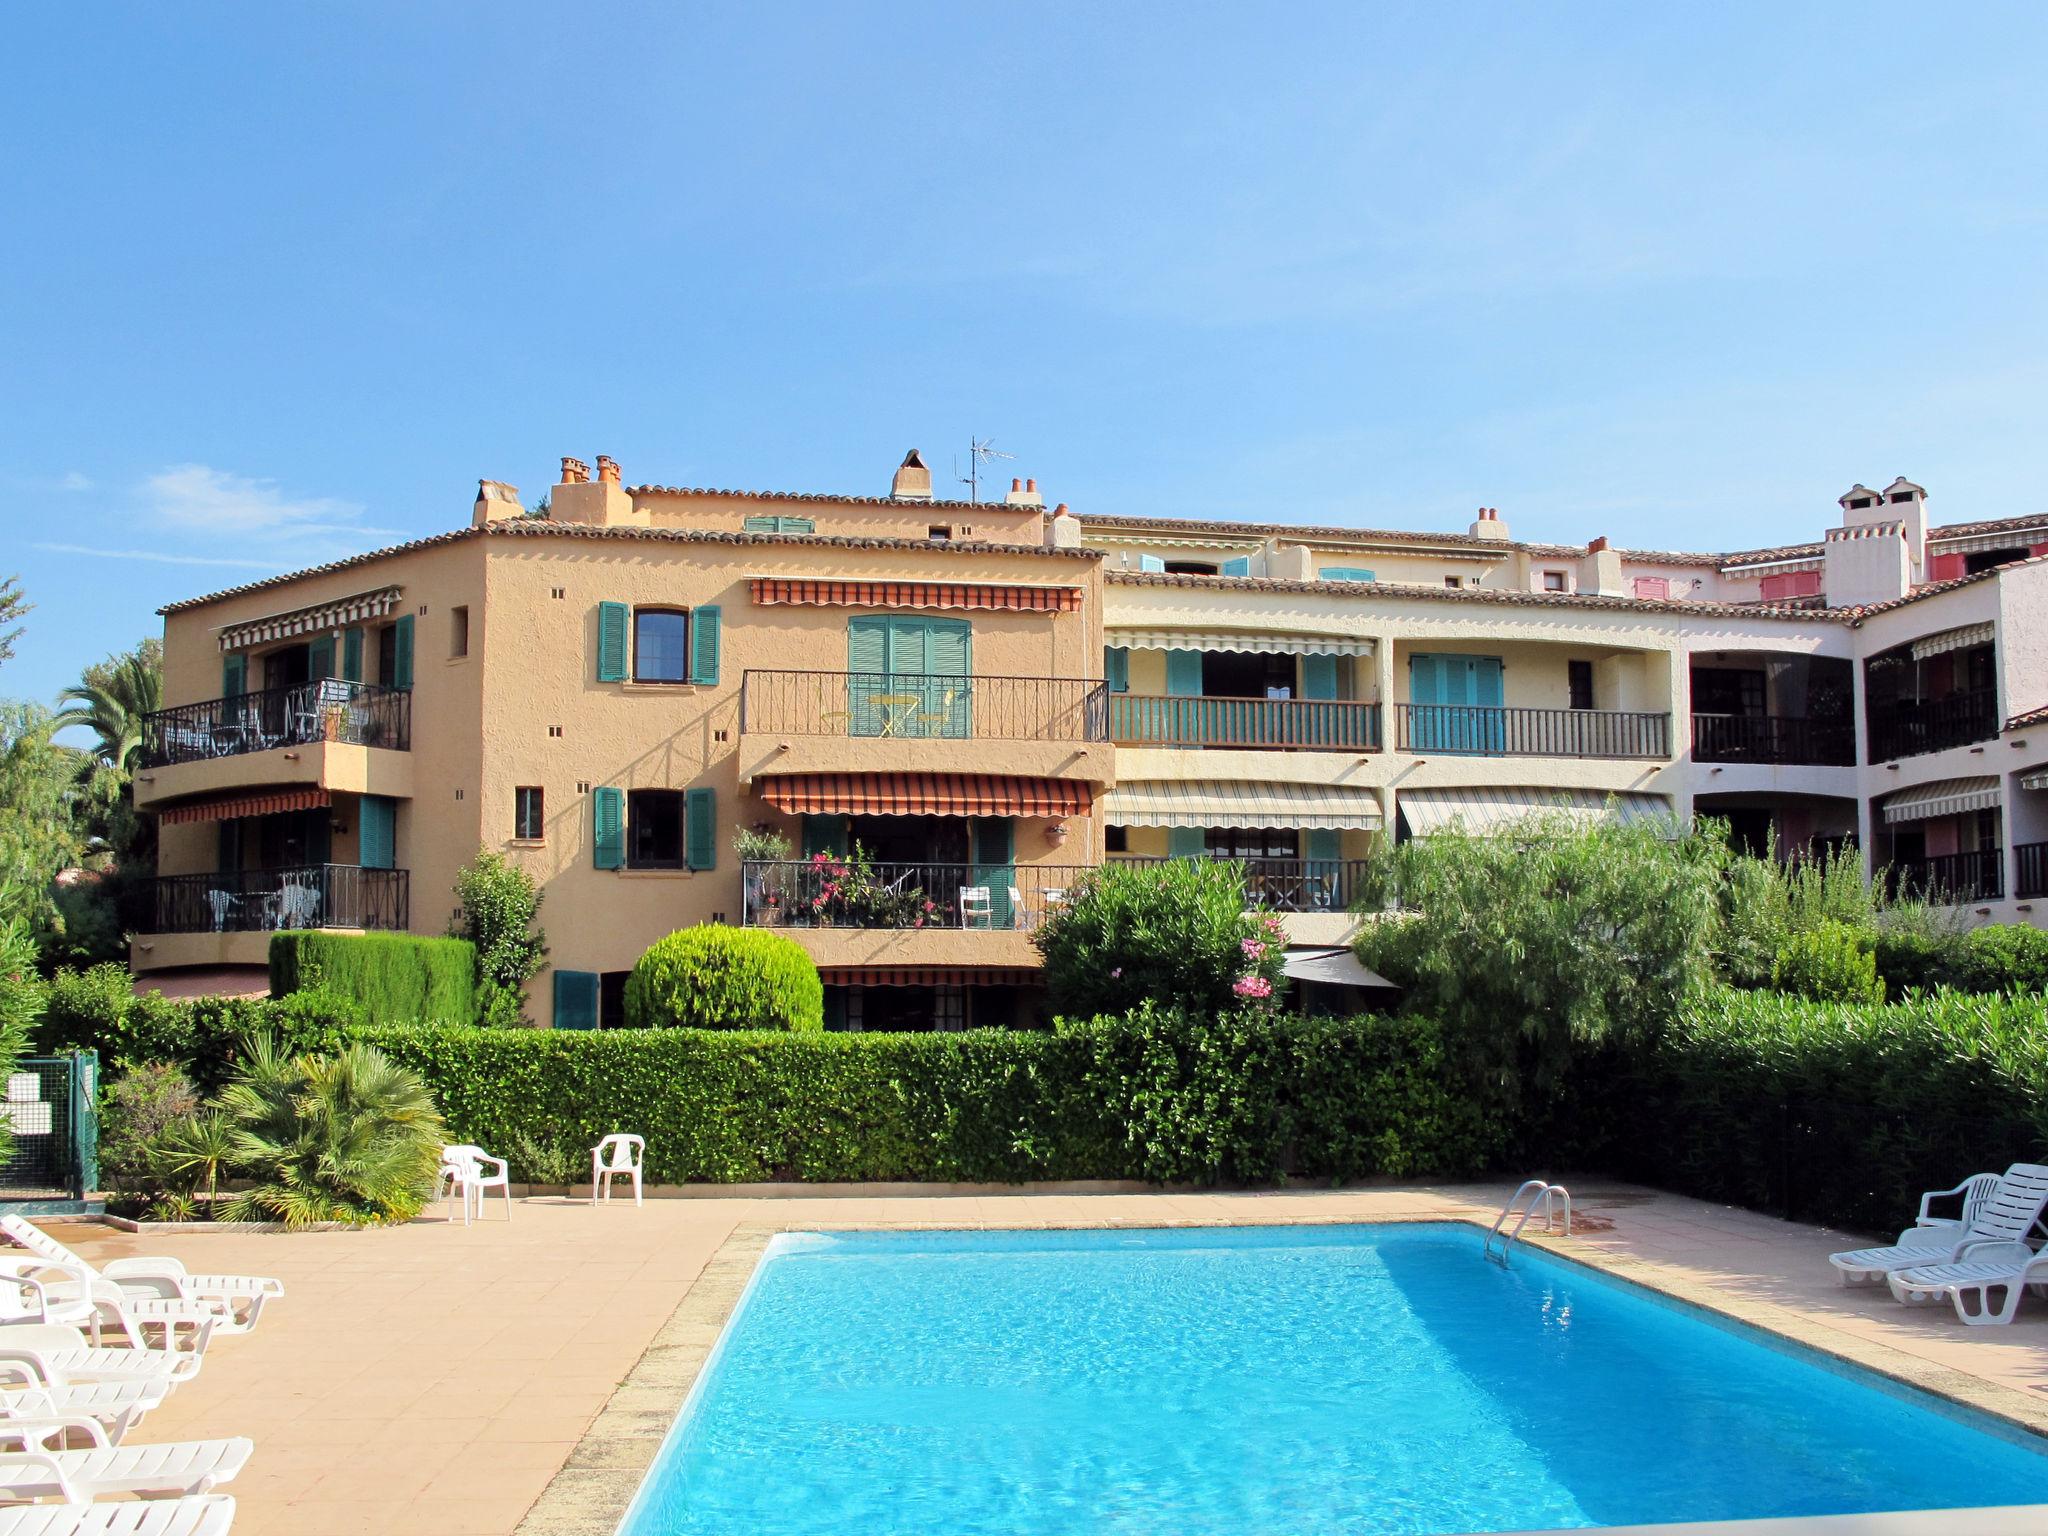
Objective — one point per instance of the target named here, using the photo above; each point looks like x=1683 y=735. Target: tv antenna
x=980 y=451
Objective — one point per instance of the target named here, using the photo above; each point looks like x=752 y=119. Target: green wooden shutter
x=824 y=834
x=234 y=675
x=401 y=654
x=1116 y=668
x=1151 y=563
x=948 y=708
x=835 y=1008
x=575 y=999
x=352 y=655
x=320 y=658
x=700 y=829
x=704 y=627
x=1186 y=842
x=611 y=642
x=1241 y=566
x=780 y=525
x=608 y=826
x=377 y=832
x=1345 y=573
x=1319 y=677
x=1184 y=673
x=867 y=668
x=1322 y=844
x=993 y=840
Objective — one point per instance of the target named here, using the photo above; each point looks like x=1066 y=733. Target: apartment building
x=987 y=699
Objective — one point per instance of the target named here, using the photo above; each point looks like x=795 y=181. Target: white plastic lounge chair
x=2008 y=1215
x=211 y=1514
x=58 y=1356
x=239 y=1299
x=474 y=1171
x=618 y=1155
x=35 y=1290
x=117 y=1406
x=1974 y=1191
x=2006 y=1269
x=176 y=1469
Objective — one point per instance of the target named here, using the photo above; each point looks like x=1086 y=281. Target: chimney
x=1024 y=493
x=1902 y=502
x=1488 y=525
x=575 y=471
x=608 y=469
x=913 y=480
x=495 y=500
x=1600 y=570
x=600 y=503
x=1863 y=563
x=1062 y=529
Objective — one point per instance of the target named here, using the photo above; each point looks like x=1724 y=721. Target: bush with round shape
x=715 y=977
x=1832 y=963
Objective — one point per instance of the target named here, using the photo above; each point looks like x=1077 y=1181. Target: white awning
x=1227 y=803
x=2038 y=779
x=1944 y=797
x=318 y=619
x=1333 y=968
x=1230 y=640
x=1485 y=811
x=1952 y=640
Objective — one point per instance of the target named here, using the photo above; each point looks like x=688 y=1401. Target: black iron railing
x=1288 y=885
x=1158 y=720
x=1953 y=877
x=1773 y=739
x=266 y=900
x=1477 y=730
x=834 y=892
x=1956 y=720
x=330 y=710
x=2032 y=875
x=916 y=704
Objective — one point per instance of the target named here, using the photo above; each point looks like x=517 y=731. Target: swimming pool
x=1371 y=1379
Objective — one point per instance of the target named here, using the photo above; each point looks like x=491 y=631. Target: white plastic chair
x=620 y=1153
x=975 y=901
x=2008 y=1216
x=209 y=1514
x=36 y=1464
x=1985 y=1285
x=237 y=1299
x=474 y=1171
x=222 y=902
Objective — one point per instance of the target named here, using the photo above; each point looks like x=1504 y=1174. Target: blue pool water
x=1294 y=1379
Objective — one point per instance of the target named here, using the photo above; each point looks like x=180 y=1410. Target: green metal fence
x=52 y=1106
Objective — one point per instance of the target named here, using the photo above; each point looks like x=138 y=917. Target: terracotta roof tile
x=899 y=502
x=2031 y=717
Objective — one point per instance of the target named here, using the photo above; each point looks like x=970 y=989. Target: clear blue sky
x=280 y=282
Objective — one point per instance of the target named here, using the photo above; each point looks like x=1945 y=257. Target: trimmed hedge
x=1154 y=1096
x=715 y=977
x=393 y=976
x=1998 y=957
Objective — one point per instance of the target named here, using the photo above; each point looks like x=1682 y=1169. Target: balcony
x=2033 y=869
x=1778 y=740
x=942 y=914
x=1910 y=728
x=1954 y=878
x=329 y=710
x=269 y=900
x=1478 y=730
x=1328 y=725
x=1289 y=885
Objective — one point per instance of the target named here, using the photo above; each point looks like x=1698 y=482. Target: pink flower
x=1252 y=986
x=1252 y=948
x=1116 y=974
x=931 y=906
x=819 y=858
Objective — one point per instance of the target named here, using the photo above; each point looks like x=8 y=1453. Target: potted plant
x=755 y=847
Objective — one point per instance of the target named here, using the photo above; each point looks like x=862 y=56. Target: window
x=1252 y=843
x=458 y=632
x=1114 y=839
x=1346 y=573
x=661 y=645
x=1553 y=581
x=1990 y=559
x=779 y=525
x=654 y=829
x=1899 y=496
x=1581 y=677
x=387 y=655
x=938 y=532
x=529 y=815
x=1452 y=581
x=1858 y=503
x=1191 y=567
x=611 y=999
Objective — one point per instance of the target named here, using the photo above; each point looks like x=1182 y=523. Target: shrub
x=1914 y=958
x=2004 y=957
x=1174 y=935
x=394 y=977
x=500 y=903
x=134 y=1111
x=1831 y=963
x=715 y=977
x=22 y=999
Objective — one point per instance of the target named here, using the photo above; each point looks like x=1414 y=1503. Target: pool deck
x=437 y=1379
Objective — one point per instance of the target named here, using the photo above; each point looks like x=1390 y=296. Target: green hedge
x=1241 y=1100
x=393 y=976
x=1998 y=957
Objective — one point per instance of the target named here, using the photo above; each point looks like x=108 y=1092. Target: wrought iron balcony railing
x=328 y=710
x=830 y=891
x=266 y=900
x=915 y=704
x=1779 y=739
x=1479 y=730
x=1183 y=720
x=1956 y=720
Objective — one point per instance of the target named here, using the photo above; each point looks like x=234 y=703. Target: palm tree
x=112 y=699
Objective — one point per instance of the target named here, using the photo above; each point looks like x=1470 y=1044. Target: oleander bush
x=716 y=977
x=396 y=976
x=1830 y=963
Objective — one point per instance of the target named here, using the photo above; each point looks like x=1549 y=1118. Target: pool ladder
x=1525 y=1200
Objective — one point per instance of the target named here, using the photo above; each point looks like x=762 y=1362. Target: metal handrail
x=328 y=709
x=925 y=706
x=1492 y=730
x=1534 y=1190
x=1282 y=884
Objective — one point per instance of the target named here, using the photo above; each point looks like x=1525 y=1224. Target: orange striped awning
x=924 y=794
x=229 y=807
x=770 y=590
x=930 y=976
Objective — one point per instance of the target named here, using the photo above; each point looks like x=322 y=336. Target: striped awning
x=1952 y=640
x=1229 y=640
x=233 y=807
x=1229 y=803
x=2038 y=779
x=1944 y=797
x=317 y=619
x=924 y=794
x=1497 y=808
x=771 y=590
x=930 y=976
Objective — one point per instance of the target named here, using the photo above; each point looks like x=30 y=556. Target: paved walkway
x=432 y=1379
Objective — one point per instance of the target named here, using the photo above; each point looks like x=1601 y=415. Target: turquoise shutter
x=1151 y=563
x=835 y=1008
x=234 y=675
x=1186 y=842
x=1116 y=668
x=780 y=525
x=1324 y=851
x=867 y=668
x=1184 y=673
x=377 y=832
x=704 y=645
x=1346 y=573
x=824 y=834
x=995 y=853
x=608 y=826
x=1486 y=688
x=320 y=658
x=575 y=999
x=352 y=655
x=1319 y=677
x=700 y=829
x=949 y=660
x=1241 y=566
x=611 y=642
x=401 y=654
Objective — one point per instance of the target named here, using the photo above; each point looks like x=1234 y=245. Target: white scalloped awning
x=1483 y=811
x=1231 y=640
x=1952 y=640
x=2035 y=780
x=1228 y=803
x=1944 y=797
x=318 y=618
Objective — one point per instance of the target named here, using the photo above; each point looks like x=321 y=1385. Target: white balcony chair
x=618 y=1155
x=976 y=901
x=222 y=902
x=474 y=1171
x=299 y=905
x=1020 y=916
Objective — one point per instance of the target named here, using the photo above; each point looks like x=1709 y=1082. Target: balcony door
x=1460 y=698
x=907 y=675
